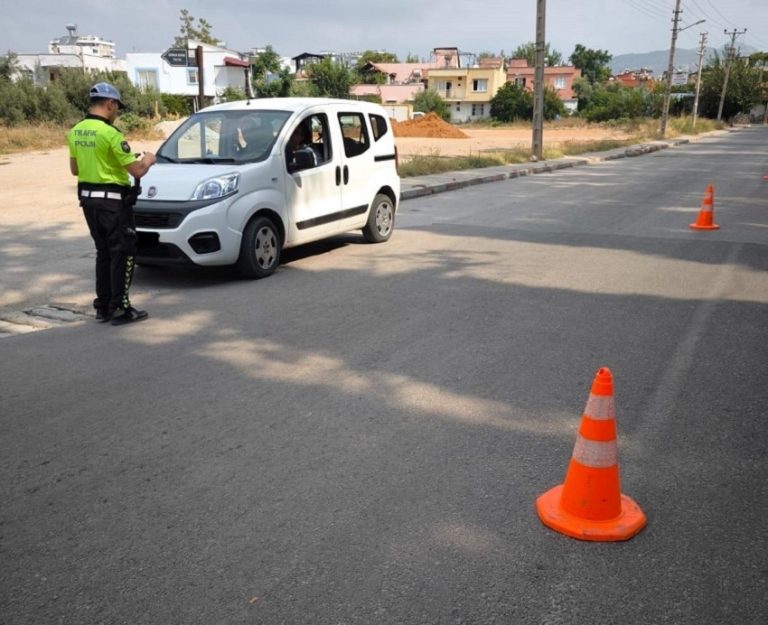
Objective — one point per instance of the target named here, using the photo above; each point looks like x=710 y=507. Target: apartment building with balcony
x=469 y=90
x=559 y=77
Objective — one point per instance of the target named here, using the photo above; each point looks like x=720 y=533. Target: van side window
x=378 y=126
x=312 y=132
x=355 y=133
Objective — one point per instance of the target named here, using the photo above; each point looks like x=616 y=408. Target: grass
x=36 y=137
x=639 y=132
x=52 y=136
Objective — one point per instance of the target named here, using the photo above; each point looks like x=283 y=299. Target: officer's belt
x=107 y=195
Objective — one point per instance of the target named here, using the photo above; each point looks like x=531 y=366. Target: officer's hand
x=149 y=158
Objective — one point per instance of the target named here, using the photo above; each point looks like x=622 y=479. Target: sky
x=398 y=26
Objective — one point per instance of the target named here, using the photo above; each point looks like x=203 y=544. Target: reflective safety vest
x=101 y=151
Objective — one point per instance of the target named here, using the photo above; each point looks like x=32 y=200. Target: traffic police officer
x=101 y=159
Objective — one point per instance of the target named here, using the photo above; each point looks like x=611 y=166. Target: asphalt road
x=360 y=438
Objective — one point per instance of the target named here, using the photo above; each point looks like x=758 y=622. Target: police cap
x=105 y=90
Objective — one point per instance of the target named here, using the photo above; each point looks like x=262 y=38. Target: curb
x=460 y=179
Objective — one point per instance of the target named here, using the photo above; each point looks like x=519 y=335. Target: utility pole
x=702 y=48
x=670 y=67
x=734 y=33
x=538 y=85
x=200 y=78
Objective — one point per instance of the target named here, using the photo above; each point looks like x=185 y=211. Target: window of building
x=478 y=110
x=147 y=78
x=560 y=82
x=192 y=76
x=480 y=85
x=520 y=82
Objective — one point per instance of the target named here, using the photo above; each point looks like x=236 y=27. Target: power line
x=709 y=2
x=643 y=9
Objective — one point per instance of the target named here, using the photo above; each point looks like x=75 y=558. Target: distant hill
x=659 y=59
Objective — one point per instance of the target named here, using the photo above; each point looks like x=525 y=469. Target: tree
x=744 y=88
x=527 y=51
x=613 y=101
x=329 y=79
x=429 y=101
x=511 y=103
x=592 y=63
x=270 y=78
x=188 y=30
x=412 y=58
x=8 y=65
x=553 y=105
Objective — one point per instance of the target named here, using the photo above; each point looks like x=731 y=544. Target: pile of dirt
x=431 y=125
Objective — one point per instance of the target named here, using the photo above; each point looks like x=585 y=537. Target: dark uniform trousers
x=113 y=230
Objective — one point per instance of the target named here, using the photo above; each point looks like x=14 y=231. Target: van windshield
x=224 y=136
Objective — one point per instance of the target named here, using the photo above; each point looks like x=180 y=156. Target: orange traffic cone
x=589 y=505
x=705 y=220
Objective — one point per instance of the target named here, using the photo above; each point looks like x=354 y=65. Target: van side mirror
x=303 y=158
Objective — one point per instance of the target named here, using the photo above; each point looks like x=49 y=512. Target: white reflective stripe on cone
x=600 y=407
x=595 y=454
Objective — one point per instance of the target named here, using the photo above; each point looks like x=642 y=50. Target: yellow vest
x=101 y=151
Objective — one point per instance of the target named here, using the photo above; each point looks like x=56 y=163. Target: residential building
x=467 y=90
x=222 y=68
x=302 y=60
x=401 y=82
x=559 y=77
x=642 y=77
x=399 y=73
x=72 y=51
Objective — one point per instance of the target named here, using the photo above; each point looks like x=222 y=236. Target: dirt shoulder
x=489 y=139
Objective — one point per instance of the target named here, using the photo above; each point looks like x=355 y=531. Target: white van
x=237 y=183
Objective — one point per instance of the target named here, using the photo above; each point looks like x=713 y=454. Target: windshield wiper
x=208 y=160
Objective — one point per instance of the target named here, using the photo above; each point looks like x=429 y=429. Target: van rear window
x=379 y=126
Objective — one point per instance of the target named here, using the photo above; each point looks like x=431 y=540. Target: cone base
x=625 y=526
x=698 y=227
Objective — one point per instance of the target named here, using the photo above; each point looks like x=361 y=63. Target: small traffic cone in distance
x=706 y=218
x=589 y=505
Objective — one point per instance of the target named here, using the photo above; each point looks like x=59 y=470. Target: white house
x=222 y=68
x=72 y=51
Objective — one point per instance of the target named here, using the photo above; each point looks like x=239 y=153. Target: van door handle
x=346 y=174
x=338 y=175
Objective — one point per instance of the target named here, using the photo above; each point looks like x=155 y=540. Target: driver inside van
x=300 y=139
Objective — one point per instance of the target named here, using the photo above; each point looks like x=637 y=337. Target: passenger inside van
x=252 y=139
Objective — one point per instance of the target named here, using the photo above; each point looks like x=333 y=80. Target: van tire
x=381 y=220
x=259 y=249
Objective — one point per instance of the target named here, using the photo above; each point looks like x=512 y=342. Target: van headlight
x=221 y=186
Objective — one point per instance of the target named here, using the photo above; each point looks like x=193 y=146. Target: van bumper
x=184 y=235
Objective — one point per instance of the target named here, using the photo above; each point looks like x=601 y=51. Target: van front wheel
x=381 y=220
x=259 y=249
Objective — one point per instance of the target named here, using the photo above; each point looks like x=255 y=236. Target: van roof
x=289 y=104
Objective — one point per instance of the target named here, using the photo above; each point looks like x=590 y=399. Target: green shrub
x=232 y=94
x=131 y=122
x=176 y=104
x=429 y=101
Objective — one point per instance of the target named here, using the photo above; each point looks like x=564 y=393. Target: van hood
x=177 y=182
